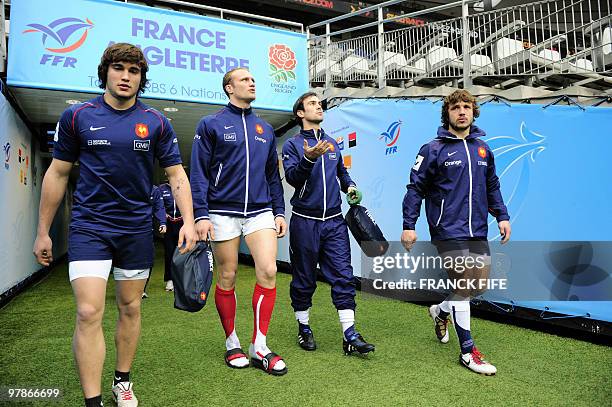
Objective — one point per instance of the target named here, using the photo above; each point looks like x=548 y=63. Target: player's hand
x=504 y=230
x=162 y=229
x=281 y=226
x=205 y=230
x=408 y=239
x=353 y=196
x=42 y=250
x=187 y=238
x=316 y=151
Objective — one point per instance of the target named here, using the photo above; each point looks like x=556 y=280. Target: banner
x=59 y=48
x=553 y=168
x=20 y=186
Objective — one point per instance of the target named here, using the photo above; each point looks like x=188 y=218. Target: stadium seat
x=507 y=53
x=581 y=65
x=443 y=57
x=481 y=64
x=394 y=61
x=318 y=70
x=603 y=48
x=355 y=67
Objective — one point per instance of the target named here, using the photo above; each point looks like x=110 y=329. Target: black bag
x=192 y=275
x=366 y=232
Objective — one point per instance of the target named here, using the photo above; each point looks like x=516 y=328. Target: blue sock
x=94 y=401
x=465 y=338
x=350 y=332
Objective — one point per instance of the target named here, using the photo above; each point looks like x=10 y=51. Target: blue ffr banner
x=54 y=47
x=553 y=166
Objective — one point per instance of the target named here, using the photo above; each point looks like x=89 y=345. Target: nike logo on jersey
x=228 y=127
x=453 y=153
x=92 y=128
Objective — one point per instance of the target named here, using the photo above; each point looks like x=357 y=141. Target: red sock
x=225 y=300
x=263 y=305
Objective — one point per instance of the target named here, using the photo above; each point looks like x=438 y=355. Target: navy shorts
x=128 y=251
x=472 y=245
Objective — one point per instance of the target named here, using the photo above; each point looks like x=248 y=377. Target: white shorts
x=229 y=227
x=102 y=268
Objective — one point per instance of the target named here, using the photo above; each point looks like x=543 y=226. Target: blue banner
x=552 y=163
x=54 y=47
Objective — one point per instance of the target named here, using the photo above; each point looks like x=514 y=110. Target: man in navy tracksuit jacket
x=237 y=191
x=455 y=174
x=318 y=233
x=174 y=222
x=159 y=214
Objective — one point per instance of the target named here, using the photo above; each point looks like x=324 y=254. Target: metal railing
x=566 y=39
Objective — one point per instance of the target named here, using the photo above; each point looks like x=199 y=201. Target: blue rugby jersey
x=116 y=150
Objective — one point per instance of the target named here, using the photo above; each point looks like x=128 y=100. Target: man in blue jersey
x=174 y=222
x=237 y=191
x=115 y=138
x=318 y=233
x=159 y=214
x=455 y=174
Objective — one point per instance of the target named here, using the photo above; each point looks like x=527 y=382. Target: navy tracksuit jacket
x=174 y=222
x=317 y=231
x=234 y=166
x=458 y=182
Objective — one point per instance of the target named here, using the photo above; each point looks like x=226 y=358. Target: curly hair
x=460 y=95
x=123 y=52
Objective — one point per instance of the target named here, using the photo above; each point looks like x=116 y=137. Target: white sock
x=347 y=318
x=303 y=316
x=232 y=342
x=445 y=306
x=259 y=349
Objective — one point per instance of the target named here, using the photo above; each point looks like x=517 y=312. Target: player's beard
x=460 y=128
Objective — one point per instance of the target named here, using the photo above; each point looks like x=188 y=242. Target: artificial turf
x=180 y=356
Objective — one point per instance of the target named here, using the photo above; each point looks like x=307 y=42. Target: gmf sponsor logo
x=391 y=136
x=61 y=36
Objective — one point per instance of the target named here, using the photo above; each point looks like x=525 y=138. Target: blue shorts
x=471 y=245
x=127 y=251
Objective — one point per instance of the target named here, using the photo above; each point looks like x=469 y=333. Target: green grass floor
x=180 y=357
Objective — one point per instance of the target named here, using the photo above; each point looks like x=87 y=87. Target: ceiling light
x=73 y=101
x=170 y=109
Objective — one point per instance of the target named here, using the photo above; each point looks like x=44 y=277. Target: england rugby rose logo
x=282 y=63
